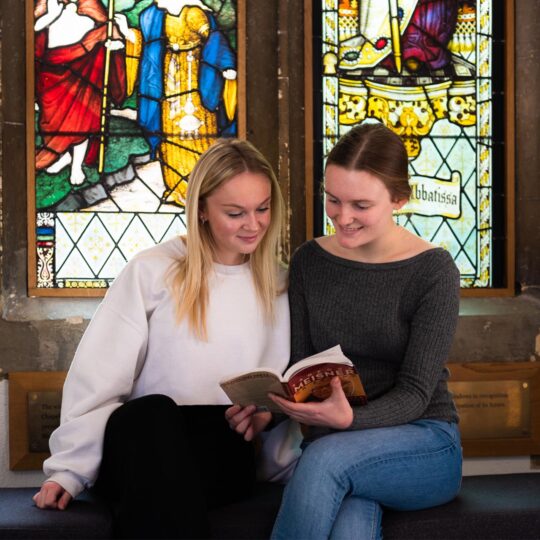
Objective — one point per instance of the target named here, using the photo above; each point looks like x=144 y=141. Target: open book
x=307 y=380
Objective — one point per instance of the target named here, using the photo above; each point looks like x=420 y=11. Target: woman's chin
x=349 y=241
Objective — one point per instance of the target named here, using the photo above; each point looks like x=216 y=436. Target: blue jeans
x=343 y=479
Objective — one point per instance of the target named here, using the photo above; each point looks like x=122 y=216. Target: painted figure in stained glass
x=411 y=32
x=425 y=39
x=415 y=40
x=71 y=45
x=186 y=73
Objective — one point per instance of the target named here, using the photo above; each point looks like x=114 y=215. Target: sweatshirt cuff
x=69 y=481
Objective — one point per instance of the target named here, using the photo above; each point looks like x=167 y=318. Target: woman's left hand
x=247 y=421
x=334 y=412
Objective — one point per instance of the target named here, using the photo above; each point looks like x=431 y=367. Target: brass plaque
x=43 y=418
x=493 y=409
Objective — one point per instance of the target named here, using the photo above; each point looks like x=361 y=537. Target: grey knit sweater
x=395 y=321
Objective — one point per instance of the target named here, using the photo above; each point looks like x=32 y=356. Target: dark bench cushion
x=85 y=517
x=498 y=507
x=502 y=507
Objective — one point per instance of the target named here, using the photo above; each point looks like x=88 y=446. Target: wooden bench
x=495 y=507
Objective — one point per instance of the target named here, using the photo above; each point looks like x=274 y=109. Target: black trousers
x=164 y=466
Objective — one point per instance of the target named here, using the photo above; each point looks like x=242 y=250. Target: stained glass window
x=428 y=70
x=128 y=94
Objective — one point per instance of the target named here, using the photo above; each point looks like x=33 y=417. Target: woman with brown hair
x=390 y=299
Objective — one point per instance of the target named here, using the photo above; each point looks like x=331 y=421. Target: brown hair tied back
x=374 y=148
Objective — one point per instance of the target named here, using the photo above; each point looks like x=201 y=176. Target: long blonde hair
x=224 y=160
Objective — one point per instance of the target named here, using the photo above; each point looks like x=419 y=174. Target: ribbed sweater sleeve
x=395 y=321
x=301 y=342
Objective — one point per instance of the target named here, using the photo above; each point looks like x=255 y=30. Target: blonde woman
x=143 y=416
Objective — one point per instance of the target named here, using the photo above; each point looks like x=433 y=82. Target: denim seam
x=375 y=520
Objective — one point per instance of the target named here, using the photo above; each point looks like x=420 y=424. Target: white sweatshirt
x=134 y=347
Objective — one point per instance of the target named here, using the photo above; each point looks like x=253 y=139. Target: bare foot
x=77 y=177
x=63 y=161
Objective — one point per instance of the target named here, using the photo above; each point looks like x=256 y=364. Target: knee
x=143 y=411
x=322 y=456
x=322 y=452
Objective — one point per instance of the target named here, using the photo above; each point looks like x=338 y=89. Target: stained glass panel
x=127 y=95
x=424 y=69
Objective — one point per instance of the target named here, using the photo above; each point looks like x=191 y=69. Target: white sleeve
x=100 y=379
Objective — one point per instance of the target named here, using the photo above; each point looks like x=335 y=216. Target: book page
x=252 y=389
x=334 y=355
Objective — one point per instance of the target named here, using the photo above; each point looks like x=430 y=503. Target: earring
x=203 y=220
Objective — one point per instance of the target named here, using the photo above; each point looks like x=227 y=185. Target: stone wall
x=7 y=477
x=527 y=139
x=1 y=157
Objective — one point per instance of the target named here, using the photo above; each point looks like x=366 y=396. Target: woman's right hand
x=246 y=421
x=334 y=412
x=52 y=495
